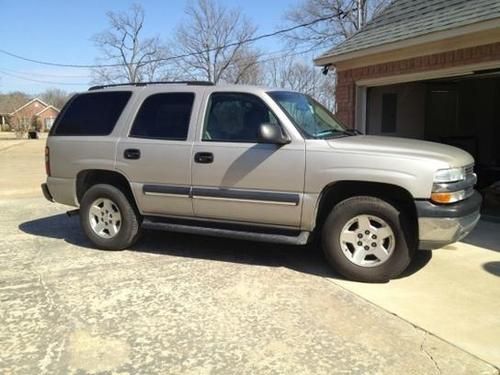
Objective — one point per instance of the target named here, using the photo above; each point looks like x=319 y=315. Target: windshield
x=312 y=119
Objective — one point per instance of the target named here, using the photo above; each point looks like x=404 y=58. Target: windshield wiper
x=353 y=131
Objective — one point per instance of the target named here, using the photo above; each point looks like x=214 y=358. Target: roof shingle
x=406 y=19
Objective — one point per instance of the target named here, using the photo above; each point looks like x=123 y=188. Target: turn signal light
x=449 y=197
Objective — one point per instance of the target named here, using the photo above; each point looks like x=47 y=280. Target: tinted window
x=164 y=116
x=92 y=114
x=235 y=117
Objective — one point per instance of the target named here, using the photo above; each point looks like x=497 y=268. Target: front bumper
x=46 y=193
x=440 y=225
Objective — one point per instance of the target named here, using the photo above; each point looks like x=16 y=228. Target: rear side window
x=92 y=114
x=164 y=116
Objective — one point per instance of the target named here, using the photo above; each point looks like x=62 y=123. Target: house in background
x=429 y=70
x=34 y=111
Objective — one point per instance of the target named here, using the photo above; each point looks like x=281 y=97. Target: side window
x=235 y=117
x=164 y=116
x=92 y=114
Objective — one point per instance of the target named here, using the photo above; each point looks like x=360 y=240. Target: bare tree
x=297 y=75
x=212 y=37
x=246 y=69
x=123 y=44
x=348 y=16
x=55 y=97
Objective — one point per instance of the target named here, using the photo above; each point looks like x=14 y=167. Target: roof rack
x=138 y=84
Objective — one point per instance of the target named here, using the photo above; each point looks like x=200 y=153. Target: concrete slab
x=190 y=304
x=22 y=167
x=456 y=296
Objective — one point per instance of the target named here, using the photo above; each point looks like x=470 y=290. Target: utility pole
x=361 y=14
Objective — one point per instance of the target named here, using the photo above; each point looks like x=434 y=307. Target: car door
x=237 y=178
x=155 y=155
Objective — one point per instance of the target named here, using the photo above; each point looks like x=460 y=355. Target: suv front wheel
x=108 y=218
x=368 y=239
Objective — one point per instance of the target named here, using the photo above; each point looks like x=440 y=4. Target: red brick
x=345 y=94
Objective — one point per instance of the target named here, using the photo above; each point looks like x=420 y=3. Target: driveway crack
x=423 y=350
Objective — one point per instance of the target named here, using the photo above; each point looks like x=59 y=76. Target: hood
x=403 y=148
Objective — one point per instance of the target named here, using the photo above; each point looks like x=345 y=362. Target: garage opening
x=460 y=111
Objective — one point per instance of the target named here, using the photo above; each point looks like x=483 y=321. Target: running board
x=300 y=239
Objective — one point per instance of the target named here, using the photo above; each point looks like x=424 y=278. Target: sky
x=61 y=31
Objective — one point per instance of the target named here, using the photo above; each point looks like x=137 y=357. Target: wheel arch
x=336 y=192
x=90 y=177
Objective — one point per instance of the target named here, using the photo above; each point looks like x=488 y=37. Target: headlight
x=449 y=175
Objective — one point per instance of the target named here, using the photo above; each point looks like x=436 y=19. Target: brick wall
x=30 y=110
x=346 y=79
x=49 y=113
x=29 y=113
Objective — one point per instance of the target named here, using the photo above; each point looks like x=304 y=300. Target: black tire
x=404 y=235
x=130 y=223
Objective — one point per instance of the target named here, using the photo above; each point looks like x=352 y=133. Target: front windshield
x=312 y=119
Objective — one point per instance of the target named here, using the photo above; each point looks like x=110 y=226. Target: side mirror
x=272 y=133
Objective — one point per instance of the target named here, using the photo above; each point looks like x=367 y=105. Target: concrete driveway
x=455 y=294
x=191 y=304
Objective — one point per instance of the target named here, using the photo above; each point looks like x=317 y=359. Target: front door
x=237 y=178
x=156 y=154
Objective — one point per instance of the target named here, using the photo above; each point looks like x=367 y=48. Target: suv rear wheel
x=367 y=239
x=108 y=218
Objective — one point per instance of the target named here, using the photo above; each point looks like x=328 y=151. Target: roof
x=159 y=87
x=46 y=108
x=28 y=103
x=141 y=84
x=408 y=19
x=12 y=105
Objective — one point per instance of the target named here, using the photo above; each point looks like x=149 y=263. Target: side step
x=300 y=239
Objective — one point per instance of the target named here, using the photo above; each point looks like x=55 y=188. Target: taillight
x=47 y=160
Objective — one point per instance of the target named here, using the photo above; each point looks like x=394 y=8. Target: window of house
x=164 y=116
x=49 y=121
x=92 y=113
x=389 y=106
x=235 y=117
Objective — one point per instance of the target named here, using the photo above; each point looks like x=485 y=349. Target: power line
x=45 y=74
x=42 y=81
x=260 y=60
x=233 y=44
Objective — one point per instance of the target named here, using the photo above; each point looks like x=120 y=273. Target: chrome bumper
x=437 y=232
x=440 y=225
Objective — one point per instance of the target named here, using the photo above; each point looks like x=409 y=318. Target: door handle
x=204 y=157
x=132 y=153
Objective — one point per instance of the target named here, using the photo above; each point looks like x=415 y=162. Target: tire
x=114 y=223
x=367 y=239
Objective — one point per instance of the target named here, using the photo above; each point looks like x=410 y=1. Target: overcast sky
x=61 y=31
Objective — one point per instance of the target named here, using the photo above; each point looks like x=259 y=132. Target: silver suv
x=257 y=164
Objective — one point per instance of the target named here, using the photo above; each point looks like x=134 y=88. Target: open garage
x=461 y=111
x=434 y=76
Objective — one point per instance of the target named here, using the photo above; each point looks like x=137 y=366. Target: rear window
x=92 y=114
x=164 y=116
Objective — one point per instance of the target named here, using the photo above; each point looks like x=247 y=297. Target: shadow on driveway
x=492 y=267
x=306 y=259
x=485 y=235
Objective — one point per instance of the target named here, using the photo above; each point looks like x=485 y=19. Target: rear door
x=237 y=178
x=155 y=154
